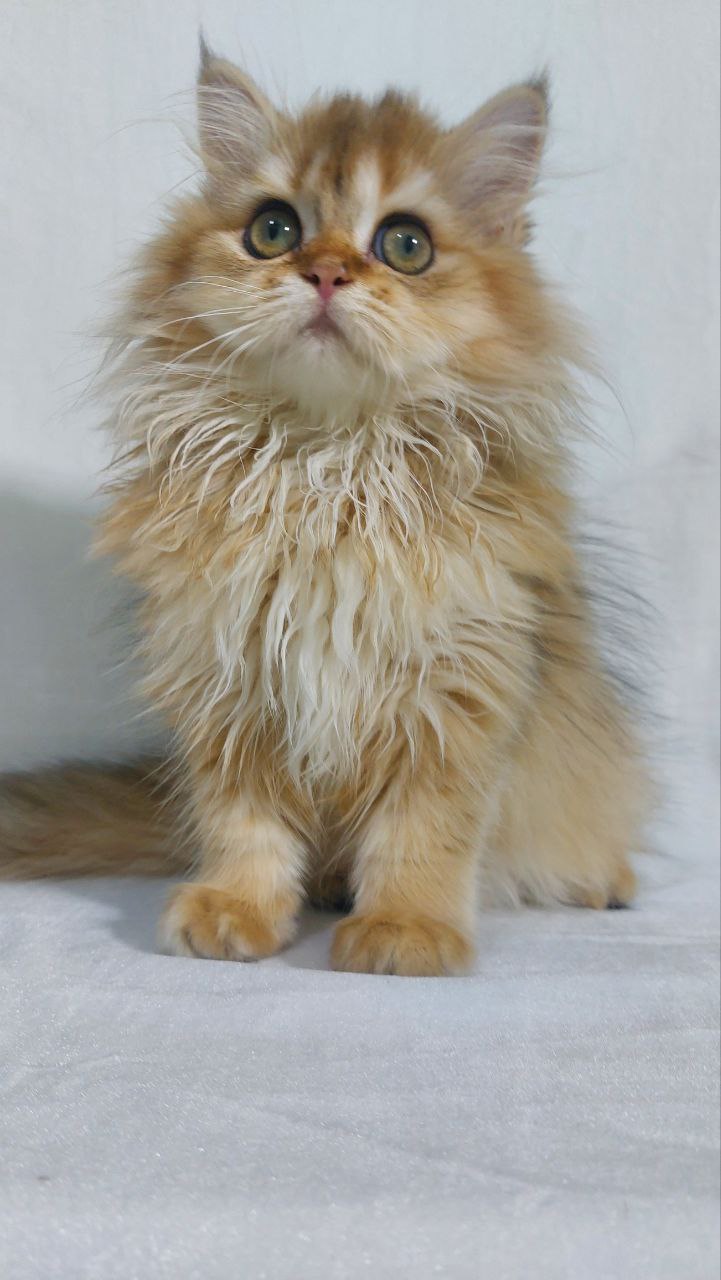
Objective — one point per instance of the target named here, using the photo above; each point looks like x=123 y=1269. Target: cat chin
x=323 y=376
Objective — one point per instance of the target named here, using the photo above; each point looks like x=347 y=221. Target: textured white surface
x=556 y=1114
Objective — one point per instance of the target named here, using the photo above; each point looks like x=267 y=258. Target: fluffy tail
x=78 y=820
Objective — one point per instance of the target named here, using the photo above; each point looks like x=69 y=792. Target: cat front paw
x=413 y=947
x=216 y=925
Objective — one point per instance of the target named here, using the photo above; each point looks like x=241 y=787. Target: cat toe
x=408 y=947
x=617 y=895
x=212 y=924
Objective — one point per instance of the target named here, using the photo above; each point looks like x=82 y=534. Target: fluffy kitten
x=343 y=397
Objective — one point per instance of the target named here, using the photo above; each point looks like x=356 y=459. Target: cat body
x=343 y=492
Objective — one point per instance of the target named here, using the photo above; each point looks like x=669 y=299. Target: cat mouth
x=323 y=326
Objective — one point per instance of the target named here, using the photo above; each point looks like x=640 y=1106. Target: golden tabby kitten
x=343 y=399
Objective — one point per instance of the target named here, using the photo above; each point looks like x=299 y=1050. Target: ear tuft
x=541 y=85
x=235 y=119
x=204 y=50
x=494 y=156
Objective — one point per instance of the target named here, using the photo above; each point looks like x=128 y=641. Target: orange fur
x=363 y=614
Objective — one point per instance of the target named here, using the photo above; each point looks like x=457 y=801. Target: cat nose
x=326 y=277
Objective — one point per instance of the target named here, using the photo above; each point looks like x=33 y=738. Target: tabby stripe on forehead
x=332 y=170
x=366 y=198
x=313 y=187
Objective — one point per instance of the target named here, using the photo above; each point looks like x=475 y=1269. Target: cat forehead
x=351 y=164
x=366 y=194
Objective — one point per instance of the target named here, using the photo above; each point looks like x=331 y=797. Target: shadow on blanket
x=132 y=908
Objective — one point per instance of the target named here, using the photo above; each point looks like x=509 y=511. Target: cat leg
x=575 y=800
x=245 y=901
x=416 y=856
x=329 y=890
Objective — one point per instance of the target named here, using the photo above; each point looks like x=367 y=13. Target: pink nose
x=326 y=277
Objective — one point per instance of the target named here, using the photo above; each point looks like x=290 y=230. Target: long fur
x=363 y=614
x=79 y=819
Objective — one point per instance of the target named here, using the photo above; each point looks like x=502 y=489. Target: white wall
x=628 y=221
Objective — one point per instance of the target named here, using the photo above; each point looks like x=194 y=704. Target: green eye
x=274 y=230
x=404 y=244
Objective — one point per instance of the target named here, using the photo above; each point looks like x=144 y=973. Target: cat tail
x=79 y=819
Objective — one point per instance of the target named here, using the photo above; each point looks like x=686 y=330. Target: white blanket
x=553 y=1116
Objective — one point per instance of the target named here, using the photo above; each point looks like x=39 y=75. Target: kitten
x=343 y=399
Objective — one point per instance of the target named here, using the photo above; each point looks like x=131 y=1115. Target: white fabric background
x=175 y=1119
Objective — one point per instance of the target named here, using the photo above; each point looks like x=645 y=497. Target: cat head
x=358 y=254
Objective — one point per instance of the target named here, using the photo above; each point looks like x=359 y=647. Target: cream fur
x=363 y=614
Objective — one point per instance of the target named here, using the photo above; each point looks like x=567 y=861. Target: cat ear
x=494 y=156
x=235 y=120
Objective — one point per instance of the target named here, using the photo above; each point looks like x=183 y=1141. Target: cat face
x=359 y=255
